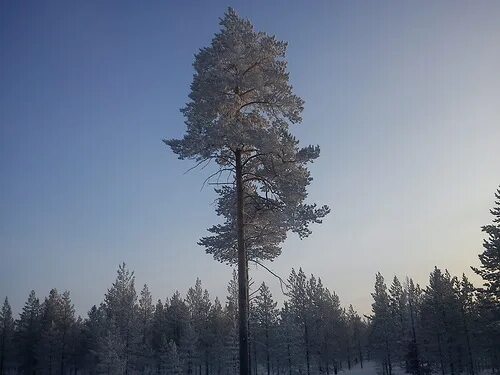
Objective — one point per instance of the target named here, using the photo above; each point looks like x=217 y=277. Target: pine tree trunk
x=348 y=357
x=289 y=359
x=50 y=360
x=388 y=352
x=254 y=357
x=126 y=351
x=306 y=331
x=62 y=351
x=268 y=357
x=360 y=352
x=242 y=272
x=415 y=356
x=469 y=349
x=440 y=354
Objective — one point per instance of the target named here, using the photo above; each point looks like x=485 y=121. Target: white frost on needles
x=241 y=99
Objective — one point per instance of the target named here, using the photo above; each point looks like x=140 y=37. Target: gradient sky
x=403 y=97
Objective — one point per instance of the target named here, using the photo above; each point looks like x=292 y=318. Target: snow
x=369 y=368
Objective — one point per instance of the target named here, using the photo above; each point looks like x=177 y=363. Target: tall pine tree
x=241 y=105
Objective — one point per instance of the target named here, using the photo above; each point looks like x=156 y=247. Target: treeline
x=129 y=334
x=447 y=327
x=442 y=328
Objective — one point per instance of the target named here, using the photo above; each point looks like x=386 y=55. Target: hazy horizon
x=404 y=100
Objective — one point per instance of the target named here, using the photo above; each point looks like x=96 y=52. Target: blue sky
x=403 y=97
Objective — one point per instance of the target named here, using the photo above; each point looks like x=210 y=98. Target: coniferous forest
x=238 y=121
x=448 y=326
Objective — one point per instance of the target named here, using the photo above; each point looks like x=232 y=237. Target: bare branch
x=255 y=291
x=250 y=67
x=282 y=282
x=253 y=102
x=255 y=156
x=219 y=172
x=198 y=164
x=219 y=183
x=247 y=91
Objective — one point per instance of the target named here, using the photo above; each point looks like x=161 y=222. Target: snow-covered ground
x=369 y=368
